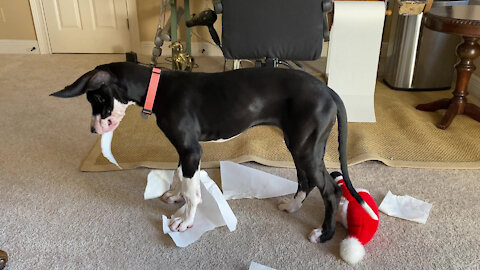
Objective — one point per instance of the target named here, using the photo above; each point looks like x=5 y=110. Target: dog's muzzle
x=102 y=126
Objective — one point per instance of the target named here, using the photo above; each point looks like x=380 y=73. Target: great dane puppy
x=193 y=107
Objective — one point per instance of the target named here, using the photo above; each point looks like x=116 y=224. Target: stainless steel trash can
x=419 y=59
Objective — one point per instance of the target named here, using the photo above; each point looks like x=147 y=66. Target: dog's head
x=108 y=99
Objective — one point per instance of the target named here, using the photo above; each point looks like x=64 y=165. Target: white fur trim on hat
x=344 y=211
x=362 y=190
x=351 y=250
x=338 y=178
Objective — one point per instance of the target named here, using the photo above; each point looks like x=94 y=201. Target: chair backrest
x=284 y=29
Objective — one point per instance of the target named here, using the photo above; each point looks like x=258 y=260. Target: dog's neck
x=134 y=81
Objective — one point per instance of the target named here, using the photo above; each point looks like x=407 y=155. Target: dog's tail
x=342 y=149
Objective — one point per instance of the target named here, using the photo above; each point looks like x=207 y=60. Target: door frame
x=41 y=29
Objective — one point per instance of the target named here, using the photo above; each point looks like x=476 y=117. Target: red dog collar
x=152 y=91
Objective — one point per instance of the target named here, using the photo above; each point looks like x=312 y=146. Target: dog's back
x=244 y=98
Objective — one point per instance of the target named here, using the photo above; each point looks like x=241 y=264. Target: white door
x=87 y=26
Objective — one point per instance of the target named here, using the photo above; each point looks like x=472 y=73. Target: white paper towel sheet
x=239 y=182
x=158 y=182
x=353 y=54
x=257 y=266
x=405 y=207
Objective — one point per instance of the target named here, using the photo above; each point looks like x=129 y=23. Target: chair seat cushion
x=284 y=29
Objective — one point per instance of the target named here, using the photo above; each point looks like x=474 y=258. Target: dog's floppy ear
x=89 y=81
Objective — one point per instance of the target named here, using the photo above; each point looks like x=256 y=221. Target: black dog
x=193 y=107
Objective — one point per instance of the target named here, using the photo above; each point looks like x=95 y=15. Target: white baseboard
x=13 y=46
x=474 y=86
x=198 y=49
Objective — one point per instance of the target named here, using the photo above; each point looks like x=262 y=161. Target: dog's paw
x=180 y=224
x=320 y=235
x=172 y=197
x=327 y=235
x=289 y=205
x=315 y=236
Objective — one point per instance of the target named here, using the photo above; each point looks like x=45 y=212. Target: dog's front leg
x=190 y=190
x=174 y=194
x=191 y=193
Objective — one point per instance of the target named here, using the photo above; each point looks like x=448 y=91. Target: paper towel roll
x=353 y=54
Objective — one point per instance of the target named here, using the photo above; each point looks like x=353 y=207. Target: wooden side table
x=463 y=21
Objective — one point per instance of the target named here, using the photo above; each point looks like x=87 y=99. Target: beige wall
x=147 y=12
x=16 y=20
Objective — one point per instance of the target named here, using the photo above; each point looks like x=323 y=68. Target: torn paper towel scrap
x=405 y=207
x=257 y=266
x=239 y=181
x=213 y=212
x=106 y=144
x=158 y=182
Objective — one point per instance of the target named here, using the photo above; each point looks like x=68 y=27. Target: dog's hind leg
x=330 y=191
x=190 y=187
x=331 y=195
x=174 y=194
x=291 y=205
x=308 y=150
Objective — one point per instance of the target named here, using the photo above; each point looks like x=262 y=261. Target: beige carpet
x=411 y=140
x=52 y=216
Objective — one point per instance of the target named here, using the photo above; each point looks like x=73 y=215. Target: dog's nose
x=92 y=129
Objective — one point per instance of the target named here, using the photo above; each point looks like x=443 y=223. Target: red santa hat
x=361 y=226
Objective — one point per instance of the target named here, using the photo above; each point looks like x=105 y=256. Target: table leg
x=467 y=51
x=434 y=106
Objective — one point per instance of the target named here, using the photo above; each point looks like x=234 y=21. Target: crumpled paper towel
x=239 y=182
x=405 y=207
x=213 y=212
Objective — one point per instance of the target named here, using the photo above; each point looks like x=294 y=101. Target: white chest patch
x=120 y=108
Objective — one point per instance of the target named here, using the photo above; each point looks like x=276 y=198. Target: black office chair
x=270 y=31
